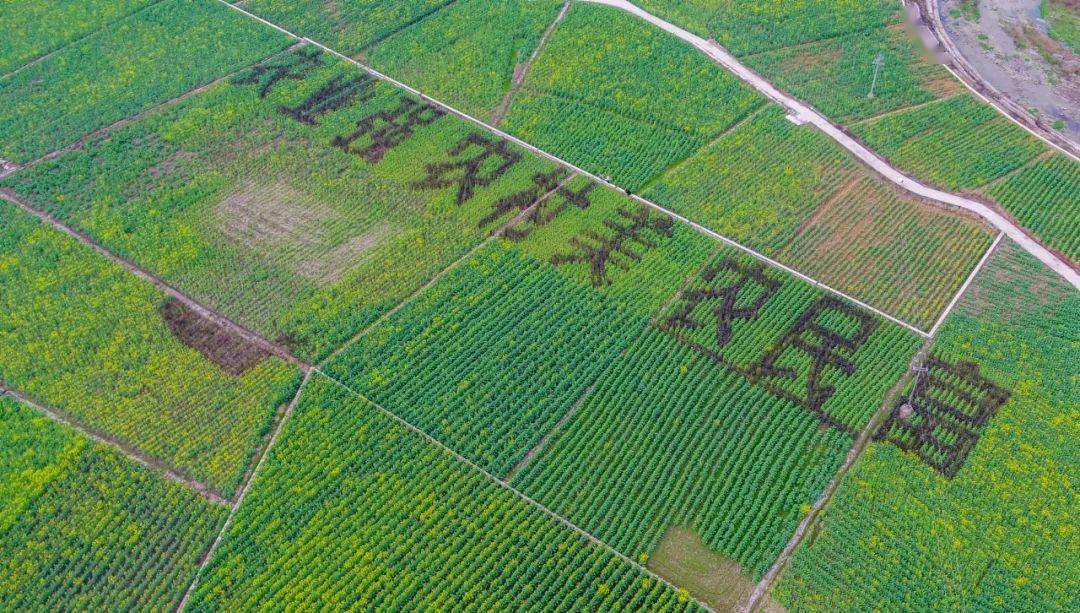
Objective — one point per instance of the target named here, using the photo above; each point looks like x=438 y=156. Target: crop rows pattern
x=83 y=335
x=353 y=510
x=82 y=527
x=979 y=512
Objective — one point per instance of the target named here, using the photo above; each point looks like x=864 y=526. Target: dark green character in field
x=293 y=66
x=631 y=233
x=482 y=160
x=942 y=418
x=339 y=92
x=387 y=129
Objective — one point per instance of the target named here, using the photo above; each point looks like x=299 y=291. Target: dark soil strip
x=233 y=353
x=203 y=311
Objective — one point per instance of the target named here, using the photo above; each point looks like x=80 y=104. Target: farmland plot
x=725 y=416
x=467 y=54
x=84 y=528
x=790 y=193
x=957 y=143
x=85 y=336
x=752 y=26
x=1045 y=198
x=966 y=501
x=353 y=510
x=489 y=358
x=619 y=97
x=348 y=27
x=33 y=29
x=154 y=55
x=302 y=198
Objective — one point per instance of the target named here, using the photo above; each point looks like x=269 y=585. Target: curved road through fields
x=806 y=114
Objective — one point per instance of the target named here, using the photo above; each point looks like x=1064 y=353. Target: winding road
x=804 y=113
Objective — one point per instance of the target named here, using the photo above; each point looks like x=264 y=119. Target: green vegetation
x=694 y=425
x=835 y=74
x=757 y=182
x=898 y=253
x=348 y=27
x=619 y=97
x=1045 y=198
x=33 y=29
x=1062 y=21
x=157 y=54
x=352 y=510
x=489 y=358
x=83 y=528
x=1001 y=534
x=752 y=26
x=467 y=54
x=237 y=202
x=957 y=143
x=83 y=335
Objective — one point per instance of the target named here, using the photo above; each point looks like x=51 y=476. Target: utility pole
x=879 y=61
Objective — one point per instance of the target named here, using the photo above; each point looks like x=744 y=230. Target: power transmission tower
x=879 y=61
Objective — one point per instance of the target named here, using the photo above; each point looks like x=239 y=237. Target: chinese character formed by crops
x=629 y=233
x=387 y=129
x=480 y=161
x=728 y=291
x=293 y=66
x=944 y=415
x=339 y=92
x=823 y=340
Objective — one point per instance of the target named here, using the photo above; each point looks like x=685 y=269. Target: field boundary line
x=808 y=114
x=70 y=43
x=1045 y=155
x=566 y=522
x=415 y=293
x=129 y=451
x=537 y=151
x=121 y=123
x=860 y=444
x=244 y=489
x=897 y=111
x=550 y=434
x=928 y=9
x=963 y=288
x=204 y=311
x=518 y=78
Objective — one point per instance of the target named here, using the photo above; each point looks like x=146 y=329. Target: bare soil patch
x=332 y=265
x=685 y=560
x=268 y=215
x=230 y=351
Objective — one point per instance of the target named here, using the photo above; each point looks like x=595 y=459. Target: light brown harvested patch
x=685 y=560
x=943 y=87
x=272 y=214
x=231 y=352
x=812 y=59
x=332 y=265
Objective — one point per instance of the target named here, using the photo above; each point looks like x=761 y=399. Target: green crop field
x=1045 y=197
x=622 y=99
x=34 y=29
x=152 y=56
x=538 y=305
x=83 y=335
x=353 y=510
x=233 y=198
x=83 y=528
x=468 y=54
x=1001 y=534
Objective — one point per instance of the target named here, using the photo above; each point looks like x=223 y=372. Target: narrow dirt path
x=806 y=114
x=99 y=436
x=853 y=454
x=522 y=70
x=206 y=312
